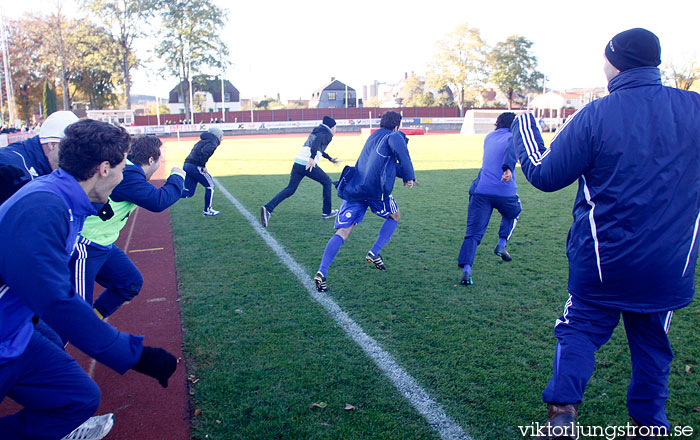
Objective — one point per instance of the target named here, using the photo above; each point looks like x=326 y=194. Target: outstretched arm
x=137 y=190
x=551 y=169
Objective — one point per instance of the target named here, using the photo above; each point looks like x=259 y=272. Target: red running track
x=142 y=408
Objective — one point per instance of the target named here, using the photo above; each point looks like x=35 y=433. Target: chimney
x=332 y=78
x=405 y=75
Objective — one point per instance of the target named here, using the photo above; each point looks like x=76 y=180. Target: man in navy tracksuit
x=38 y=155
x=96 y=256
x=39 y=226
x=306 y=165
x=493 y=188
x=369 y=185
x=196 y=168
x=633 y=243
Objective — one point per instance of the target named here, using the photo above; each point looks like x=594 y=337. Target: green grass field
x=263 y=351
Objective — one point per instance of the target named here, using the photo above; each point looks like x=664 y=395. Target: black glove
x=106 y=212
x=157 y=363
x=11 y=179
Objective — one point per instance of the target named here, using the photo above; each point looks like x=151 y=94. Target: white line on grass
x=404 y=382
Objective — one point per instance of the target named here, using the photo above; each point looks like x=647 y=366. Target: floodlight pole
x=158 y=110
x=223 y=113
x=189 y=78
x=8 y=78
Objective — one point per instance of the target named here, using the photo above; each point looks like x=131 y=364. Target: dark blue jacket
x=133 y=191
x=498 y=156
x=633 y=243
x=28 y=156
x=136 y=189
x=318 y=140
x=203 y=149
x=39 y=226
x=383 y=158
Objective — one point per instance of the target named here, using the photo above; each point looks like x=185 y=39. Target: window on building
x=227 y=97
x=180 y=98
x=331 y=96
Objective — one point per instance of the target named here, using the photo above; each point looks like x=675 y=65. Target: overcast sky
x=294 y=47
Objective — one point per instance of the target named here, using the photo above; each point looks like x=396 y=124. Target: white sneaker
x=94 y=428
x=331 y=214
x=210 y=213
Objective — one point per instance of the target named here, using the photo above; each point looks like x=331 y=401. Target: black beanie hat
x=328 y=121
x=633 y=48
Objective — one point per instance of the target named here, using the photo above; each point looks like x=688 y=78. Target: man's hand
x=507 y=175
x=179 y=171
x=157 y=363
x=334 y=160
x=309 y=165
x=410 y=183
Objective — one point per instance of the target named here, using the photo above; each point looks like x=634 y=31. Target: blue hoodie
x=498 y=156
x=39 y=226
x=633 y=243
x=28 y=156
x=383 y=158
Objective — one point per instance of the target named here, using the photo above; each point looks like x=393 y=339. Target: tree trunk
x=64 y=77
x=127 y=78
x=510 y=99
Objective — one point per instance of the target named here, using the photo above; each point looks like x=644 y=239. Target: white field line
x=404 y=382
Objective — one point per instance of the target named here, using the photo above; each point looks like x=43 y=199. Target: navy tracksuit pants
x=112 y=269
x=56 y=393
x=194 y=176
x=297 y=174
x=481 y=207
x=584 y=328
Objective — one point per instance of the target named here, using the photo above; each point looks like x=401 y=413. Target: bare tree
x=682 y=74
x=124 y=19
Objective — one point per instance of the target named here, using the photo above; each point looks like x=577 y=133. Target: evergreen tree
x=49 y=100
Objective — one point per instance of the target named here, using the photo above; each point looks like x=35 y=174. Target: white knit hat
x=52 y=130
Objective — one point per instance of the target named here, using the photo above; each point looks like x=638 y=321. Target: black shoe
x=376 y=260
x=503 y=253
x=320 y=282
x=264 y=216
x=467 y=279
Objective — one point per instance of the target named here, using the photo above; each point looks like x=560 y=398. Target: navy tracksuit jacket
x=633 y=243
x=39 y=226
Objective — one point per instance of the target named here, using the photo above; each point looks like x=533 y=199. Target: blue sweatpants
x=112 y=269
x=194 y=176
x=56 y=393
x=584 y=328
x=481 y=207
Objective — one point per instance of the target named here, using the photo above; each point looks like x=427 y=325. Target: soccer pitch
x=269 y=361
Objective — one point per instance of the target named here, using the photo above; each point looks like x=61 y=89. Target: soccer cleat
x=94 y=428
x=264 y=216
x=467 y=279
x=331 y=214
x=210 y=213
x=503 y=253
x=376 y=260
x=320 y=282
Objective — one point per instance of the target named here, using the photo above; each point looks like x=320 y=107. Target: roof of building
x=212 y=86
x=333 y=84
